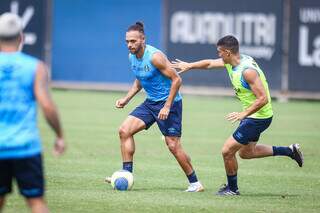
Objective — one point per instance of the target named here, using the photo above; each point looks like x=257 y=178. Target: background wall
x=34 y=17
x=85 y=41
x=89 y=37
x=304 y=46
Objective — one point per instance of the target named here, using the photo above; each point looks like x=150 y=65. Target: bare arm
x=202 y=64
x=161 y=62
x=255 y=83
x=252 y=78
x=46 y=103
x=136 y=87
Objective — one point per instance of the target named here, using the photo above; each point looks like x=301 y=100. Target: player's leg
x=2 y=200
x=240 y=138
x=229 y=150
x=29 y=175
x=128 y=128
x=175 y=147
x=253 y=129
x=254 y=150
x=37 y=205
x=5 y=180
x=140 y=118
x=171 y=129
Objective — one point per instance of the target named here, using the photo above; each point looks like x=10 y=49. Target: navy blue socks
x=232 y=182
x=282 y=151
x=127 y=166
x=192 y=177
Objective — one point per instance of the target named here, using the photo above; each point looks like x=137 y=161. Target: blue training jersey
x=19 y=136
x=156 y=85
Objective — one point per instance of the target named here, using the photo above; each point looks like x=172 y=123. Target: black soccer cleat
x=296 y=154
x=226 y=191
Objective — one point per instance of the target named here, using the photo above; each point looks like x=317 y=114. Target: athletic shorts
x=148 y=112
x=28 y=173
x=250 y=129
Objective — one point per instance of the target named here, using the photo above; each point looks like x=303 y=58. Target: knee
x=38 y=203
x=173 y=146
x=226 y=153
x=245 y=154
x=123 y=132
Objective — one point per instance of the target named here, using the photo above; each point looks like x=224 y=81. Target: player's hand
x=59 y=147
x=181 y=66
x=235 y=116
x=164 y=113
x=120 y=103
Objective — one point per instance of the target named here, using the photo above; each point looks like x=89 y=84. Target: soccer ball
x=122 y=180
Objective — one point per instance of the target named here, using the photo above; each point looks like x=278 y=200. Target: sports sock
x=282 y=150
x=192 y=177
x=232 y=182
x=127 y=166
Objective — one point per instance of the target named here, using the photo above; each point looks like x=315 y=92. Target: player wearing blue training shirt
x=23 y=82
x=163 y=104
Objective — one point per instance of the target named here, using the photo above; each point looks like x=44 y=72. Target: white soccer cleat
x=195 y=187
x=107 y=179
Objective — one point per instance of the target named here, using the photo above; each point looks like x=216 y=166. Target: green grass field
x=274 y=184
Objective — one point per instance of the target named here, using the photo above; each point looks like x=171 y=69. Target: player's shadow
x=159 y=189
x=283 y=196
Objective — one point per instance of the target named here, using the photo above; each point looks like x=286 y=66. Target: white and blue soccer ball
x=122 y=180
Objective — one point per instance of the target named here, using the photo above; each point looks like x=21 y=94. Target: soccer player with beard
x=163 y=104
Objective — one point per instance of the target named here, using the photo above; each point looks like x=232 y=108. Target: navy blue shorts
x=28 y=173
x=250 y=129
x=148 y=112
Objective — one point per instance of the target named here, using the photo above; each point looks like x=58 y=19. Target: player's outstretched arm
x=160 y=61
x=136 y=87
x=41 y=89
x=183 y=66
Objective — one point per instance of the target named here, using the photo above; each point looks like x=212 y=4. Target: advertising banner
x=33 y=15
x=304 y=48
x=194 y=27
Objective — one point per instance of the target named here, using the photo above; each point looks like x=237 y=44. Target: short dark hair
x=229 y=42
x=138 y=26
x=9 y=38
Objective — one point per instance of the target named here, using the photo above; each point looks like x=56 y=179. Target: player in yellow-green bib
x=251 y=87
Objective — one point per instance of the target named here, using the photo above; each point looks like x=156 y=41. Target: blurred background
x=83 y=41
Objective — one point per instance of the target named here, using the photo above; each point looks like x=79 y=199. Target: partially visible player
x=251 y=88
x=23 y=83
x=163 y=104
